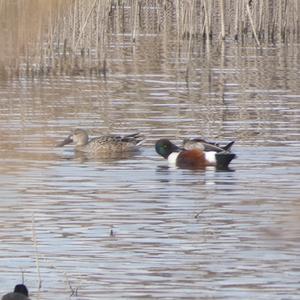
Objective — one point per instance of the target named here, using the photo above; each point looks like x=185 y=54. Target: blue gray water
x=177 y=234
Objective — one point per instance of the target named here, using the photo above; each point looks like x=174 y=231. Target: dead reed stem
x=82 y=29
x=252 y=24
x=222 y=19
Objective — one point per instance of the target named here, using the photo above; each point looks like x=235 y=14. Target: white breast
x=172 y=158
x=210 y=156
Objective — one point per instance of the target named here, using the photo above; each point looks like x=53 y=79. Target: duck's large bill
x=66 y=141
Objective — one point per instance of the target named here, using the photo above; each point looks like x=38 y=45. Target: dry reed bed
x=74 y=36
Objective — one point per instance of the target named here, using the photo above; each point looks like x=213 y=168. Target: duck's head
x=21 y=289
x=165 y=147
x=79 y=137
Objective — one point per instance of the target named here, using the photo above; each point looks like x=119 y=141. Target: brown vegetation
x=74 y=36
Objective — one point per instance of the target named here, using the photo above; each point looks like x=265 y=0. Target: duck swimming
x=194 y=158
x=20 y=293
x=106 y=144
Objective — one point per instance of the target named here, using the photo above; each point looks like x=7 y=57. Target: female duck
x=107 y=144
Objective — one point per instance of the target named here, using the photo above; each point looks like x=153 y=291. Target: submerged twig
x=74 y=291
x=112 y=233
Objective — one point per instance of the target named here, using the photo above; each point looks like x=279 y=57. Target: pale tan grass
x=73 y=36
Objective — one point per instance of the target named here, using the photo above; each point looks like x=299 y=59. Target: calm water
x=177 y=233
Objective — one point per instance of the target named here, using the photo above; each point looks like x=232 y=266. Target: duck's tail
x=228 y=146
x=136 y=138
x=223 y=159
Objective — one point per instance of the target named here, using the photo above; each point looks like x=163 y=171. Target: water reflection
x=178 y=233
x=83 y=157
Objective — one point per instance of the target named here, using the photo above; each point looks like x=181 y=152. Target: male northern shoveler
x=193 y=158
x=109 y=144
x=20 y=293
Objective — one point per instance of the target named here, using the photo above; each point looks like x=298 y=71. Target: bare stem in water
x=37 y=261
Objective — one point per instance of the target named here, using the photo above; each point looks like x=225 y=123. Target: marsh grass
x=74 y=36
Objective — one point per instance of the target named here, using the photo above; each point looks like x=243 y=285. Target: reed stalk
x=222 y=19
x=252 y=24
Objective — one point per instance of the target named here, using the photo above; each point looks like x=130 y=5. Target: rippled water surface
x=133 y=228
